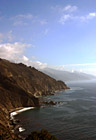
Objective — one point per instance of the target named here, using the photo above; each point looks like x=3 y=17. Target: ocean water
x=74 y=118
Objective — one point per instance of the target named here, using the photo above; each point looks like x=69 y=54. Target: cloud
x=25 y=19
x=28 y=62
x=21 y=19
x=65 y=18
x=86 y=64
x=88 y=17
x=15 y=53
x=69 y=8
x=38 y=64
x=66 y=9
x=69 y=13
x=91 y=15
x=7 y=36
x=12 y=51
x=65 y=13
x=25 y=58
x=89 y=68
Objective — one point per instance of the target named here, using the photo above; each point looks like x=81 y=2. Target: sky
x=59 y=34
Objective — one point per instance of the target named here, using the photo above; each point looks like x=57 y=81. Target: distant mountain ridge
x=67 y=76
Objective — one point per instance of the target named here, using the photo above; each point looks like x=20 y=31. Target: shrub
x=42 y=135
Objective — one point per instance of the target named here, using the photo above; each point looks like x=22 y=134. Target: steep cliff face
x=30 y=79
x=19 y=86
x=11 y=97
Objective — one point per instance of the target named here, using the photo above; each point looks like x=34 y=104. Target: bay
x=74 y=118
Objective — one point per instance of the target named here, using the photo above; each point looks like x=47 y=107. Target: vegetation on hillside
x=42 y=135
x=35 y=135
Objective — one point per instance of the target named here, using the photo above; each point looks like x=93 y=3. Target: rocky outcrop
x=41 y=135
x=50 y=103
x=19 y=87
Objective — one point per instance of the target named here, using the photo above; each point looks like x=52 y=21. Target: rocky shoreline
x=19 y=88
x=15 y=122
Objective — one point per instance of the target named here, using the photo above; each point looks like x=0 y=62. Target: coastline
x=15 y=123
x=17 y=96
x=19 y=110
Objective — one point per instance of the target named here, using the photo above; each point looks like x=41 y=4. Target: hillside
x=67 y=76
x=19 y=86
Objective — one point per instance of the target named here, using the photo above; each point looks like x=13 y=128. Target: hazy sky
x=55 y=33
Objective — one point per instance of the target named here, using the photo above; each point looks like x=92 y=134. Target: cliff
x=19 y=86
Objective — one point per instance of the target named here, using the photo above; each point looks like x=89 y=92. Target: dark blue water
x=73 y=119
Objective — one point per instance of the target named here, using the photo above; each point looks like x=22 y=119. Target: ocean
x=74 y=118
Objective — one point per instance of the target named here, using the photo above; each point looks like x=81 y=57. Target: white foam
x=21 y=129
x=12 y=114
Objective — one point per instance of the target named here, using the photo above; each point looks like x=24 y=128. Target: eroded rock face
x=19 y=86
x=29 y=79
